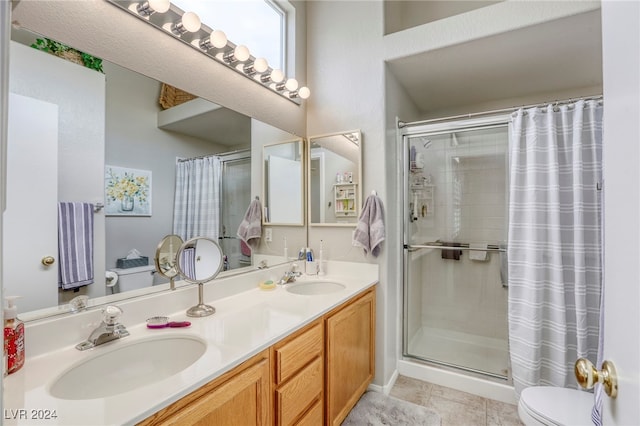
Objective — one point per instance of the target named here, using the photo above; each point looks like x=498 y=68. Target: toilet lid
x=558 y=406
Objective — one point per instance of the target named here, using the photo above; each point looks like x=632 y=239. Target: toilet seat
x=548 y=405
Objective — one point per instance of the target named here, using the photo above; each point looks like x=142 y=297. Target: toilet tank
x=134 y=278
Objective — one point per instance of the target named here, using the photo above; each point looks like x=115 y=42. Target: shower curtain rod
x=402 y=124
x=180 y=160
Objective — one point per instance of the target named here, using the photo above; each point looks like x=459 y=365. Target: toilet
x=548 y=405
x=134 y=278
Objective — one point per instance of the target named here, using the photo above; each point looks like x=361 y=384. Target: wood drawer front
x=313 y=417
x=296 y=353
x=295 y=396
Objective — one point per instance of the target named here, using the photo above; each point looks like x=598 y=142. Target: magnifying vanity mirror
x=165 y=259
x=283 y=188
x=335 y=178
x=120 y=123
x=199 y=260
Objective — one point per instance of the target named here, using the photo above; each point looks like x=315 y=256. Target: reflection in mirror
x=335 y=170
x=112 y=119
x=166 y=258
x=200 y=260
x=283 y=185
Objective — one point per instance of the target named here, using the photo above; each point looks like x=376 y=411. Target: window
x=258 y=24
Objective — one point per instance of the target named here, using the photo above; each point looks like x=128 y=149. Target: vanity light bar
x=186 y=27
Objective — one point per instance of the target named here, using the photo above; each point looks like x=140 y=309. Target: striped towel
x=75 y=245
x=188 y=262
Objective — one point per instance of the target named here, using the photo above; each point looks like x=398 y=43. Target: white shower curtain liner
x=554 y=243
x=196 y=210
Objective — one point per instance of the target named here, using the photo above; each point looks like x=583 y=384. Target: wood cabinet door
x=350 y=355
x=242 y=400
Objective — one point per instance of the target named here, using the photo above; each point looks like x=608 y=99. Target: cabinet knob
x=48 y=260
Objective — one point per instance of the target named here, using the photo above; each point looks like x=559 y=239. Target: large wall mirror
x=112 y=134
x=283 y=183
x=335 y=179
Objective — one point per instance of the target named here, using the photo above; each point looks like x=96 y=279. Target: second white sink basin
x=310 y=288
x=127 y=367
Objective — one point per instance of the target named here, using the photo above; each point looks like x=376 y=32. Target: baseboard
x=385 y=389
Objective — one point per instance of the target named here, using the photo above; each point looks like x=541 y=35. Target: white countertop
x=247 y=320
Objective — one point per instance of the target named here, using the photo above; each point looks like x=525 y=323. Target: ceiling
x=555 y=56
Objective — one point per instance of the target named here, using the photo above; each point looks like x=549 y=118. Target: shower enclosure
x=455 y=232
x=235 y=196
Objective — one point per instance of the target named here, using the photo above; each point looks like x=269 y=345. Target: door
x=33 y=140
x=621 y=71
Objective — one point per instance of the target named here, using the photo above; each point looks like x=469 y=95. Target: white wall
x=345 y=69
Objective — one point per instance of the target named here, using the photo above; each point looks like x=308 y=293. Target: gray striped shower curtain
x=196 y=211
x=554 y=242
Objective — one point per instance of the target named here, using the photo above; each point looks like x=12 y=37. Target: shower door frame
x=227 y=159
x=425 y=128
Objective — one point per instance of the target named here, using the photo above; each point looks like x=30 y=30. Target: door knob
x=587 y=376
x=48 y=260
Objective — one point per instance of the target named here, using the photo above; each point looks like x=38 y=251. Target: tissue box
x=124 y=263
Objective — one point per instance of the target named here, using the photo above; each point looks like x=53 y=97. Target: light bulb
x=241 y=53
x=291 y=84
x=277 y=76
x=191 y=22
x=160 y=6
x=260 y=65
x=218 y=39
x=304 y=92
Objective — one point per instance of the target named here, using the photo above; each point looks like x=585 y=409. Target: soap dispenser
x=13 y=337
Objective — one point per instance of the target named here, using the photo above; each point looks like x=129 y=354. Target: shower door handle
x=587 y=376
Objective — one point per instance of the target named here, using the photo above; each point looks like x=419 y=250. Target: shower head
x=426 y=143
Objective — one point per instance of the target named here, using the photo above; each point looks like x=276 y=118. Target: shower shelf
x=423 y=196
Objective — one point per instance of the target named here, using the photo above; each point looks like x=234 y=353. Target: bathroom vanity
x=338 y=346
x=300 y=354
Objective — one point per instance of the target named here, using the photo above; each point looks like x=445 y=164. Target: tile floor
x=456 y=408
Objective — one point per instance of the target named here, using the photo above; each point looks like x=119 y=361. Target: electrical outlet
x=268 y=235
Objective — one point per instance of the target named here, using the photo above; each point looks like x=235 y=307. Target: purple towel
x=369 y=233
x=75 y=245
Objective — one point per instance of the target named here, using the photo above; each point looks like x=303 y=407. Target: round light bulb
x=218 y=39
x=277 y=76
x=304 y=92
x=260 y=65
x=191 y=22
x=160 y=6
x=291 y=84
x=241 y=53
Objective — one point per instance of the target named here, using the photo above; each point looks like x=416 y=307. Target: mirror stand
x=199 y=260
x=200 y=310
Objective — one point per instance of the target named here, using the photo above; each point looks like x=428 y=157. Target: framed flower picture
x=127 y=191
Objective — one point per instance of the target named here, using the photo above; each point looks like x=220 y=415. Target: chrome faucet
x=108 y=330
x=290 y=276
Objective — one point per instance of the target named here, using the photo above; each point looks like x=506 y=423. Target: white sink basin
x=127 y=367
x=310 y=288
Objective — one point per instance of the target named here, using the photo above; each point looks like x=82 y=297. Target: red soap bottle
x=13 y=337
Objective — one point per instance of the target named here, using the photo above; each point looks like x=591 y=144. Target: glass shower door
x=455 y=287
x=235 y=198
